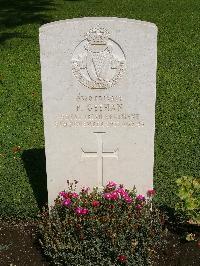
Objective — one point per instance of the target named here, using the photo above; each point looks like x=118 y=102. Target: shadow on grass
x=15 y=13
x=9 y=35
x=35 y=164
x=177 y=222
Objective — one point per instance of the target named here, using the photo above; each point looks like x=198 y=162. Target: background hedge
x=177 y=146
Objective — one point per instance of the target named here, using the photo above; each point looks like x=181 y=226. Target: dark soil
x=178 y=251
x=19 y=247
x=18 y=244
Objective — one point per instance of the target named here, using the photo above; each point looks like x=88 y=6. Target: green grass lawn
x=177 y=145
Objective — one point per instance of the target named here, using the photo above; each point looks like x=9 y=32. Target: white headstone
x=99 y=91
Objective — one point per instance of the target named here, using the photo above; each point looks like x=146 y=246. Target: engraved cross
x=100 y=154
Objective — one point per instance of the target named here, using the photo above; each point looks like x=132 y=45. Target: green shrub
x=113 y=226
x=189 y=195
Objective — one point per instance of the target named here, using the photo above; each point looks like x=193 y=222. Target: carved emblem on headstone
x=98 y=62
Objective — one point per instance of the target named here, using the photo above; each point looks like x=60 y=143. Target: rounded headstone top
x=109 y=19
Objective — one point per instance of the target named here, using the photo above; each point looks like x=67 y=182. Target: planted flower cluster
x=113 y=226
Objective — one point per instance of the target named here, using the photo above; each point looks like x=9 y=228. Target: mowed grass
x=177 y=145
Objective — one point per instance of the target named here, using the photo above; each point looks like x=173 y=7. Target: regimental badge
x=98 y=62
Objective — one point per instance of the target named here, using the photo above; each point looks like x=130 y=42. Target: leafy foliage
x=189 y=198
x=112 y=226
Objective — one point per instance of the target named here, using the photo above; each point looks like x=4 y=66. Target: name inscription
x=99 y=111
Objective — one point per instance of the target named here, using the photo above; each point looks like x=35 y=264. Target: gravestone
x=99 y=91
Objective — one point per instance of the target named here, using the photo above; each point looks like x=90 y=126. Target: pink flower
x=64 y=194
x=114 y=195
x=81 y=211
x=111 y=196
x=107 y=196
x=122 y=258
x=128 y=199
x=151 y=192
x=122 y=192
x=111 y=185
x=85 y=211
x=95 y=203
x=74 y=195
x=140 y=197
x=78 y=210
x=67 y=202
x=138 y=207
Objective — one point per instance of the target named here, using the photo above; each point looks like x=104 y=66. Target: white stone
x=99 y=91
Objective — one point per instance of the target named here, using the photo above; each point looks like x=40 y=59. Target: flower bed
x=114 y=226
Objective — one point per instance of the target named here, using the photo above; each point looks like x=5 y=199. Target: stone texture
x=99 y=91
